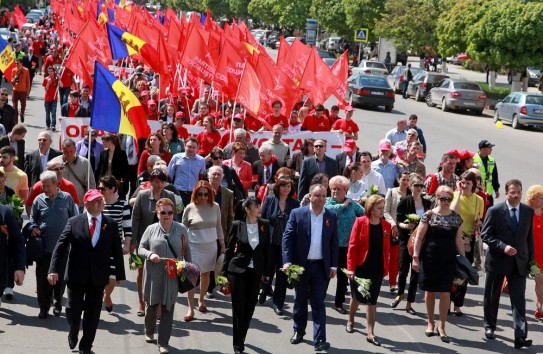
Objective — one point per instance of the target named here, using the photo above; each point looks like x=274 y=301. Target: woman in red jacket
x=367 y=258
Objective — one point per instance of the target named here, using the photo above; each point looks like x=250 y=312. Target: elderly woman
x=353 y=173
x=276 y=210
x=367 y=258
x=173 y=144
x=143 y=215
x=534 y=198
x=413 y=203
x=113 y=161
x=347 y=211
x=439 y=239
x=470 y=207
x=240 y=166
x=203 y=219
x=119 y=210
x=155 y=145
x=164 y=239
x=209 y=137
x=392 y=199
x=247 y=263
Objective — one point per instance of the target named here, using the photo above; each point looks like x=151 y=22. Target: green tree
x=292 y=14
x=331 y=16
x=239 y=8
x=263 y=11
x=218 y=8
x=363 y=14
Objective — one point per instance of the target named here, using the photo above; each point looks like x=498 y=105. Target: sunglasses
x=418 y=185
x=3 y=94
x=58 y=169
x=202 y=194
x=101 y=189
x=166 y=212
x=318 y=146
x=445 y=199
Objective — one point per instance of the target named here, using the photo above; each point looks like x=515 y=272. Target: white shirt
x=96 y=235
x=252 y=234
x=43 y=160
x=315 y=249
x=517 y=210
x=374 y=178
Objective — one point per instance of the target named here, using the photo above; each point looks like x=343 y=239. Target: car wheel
x=389 y=108
x=418 y=96
x=515 y=123
x=429 y=101
x=444 y=106
x=496 y=118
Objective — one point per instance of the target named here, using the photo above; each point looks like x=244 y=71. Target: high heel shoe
x=444 y=338
x=373 y=341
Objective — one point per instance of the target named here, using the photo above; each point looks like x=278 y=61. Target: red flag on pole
x=19 y=17
x=248 y=90
x=196 y=56
x=340 y=70
x=318 y=81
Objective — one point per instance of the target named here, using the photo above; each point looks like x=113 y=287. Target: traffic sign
x=361 y=35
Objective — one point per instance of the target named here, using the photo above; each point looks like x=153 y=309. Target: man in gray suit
x=319 y=163
x=508 y=232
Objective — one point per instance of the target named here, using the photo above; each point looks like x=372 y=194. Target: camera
x=16 y=79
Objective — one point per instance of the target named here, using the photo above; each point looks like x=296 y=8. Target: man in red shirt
x=276 y=117
x=50 y=83
x=228 y=135
x=202 y=113
x=181 y=130
x=334 y=114
x=39 y=50
x=52 y=59
x=253 y=124
x=152 y=111
x=317 y=122
x=347 y=125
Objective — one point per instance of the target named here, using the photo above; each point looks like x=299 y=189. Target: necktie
x=130 y=148
x=92 y=227
x=514 y=221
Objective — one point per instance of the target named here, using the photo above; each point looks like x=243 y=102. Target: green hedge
x=496 y=93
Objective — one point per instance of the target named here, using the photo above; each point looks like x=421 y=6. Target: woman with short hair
x=534 y=199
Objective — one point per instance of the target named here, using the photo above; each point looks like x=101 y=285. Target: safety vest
x=486 y=175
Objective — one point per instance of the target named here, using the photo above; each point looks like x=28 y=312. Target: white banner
x=74 y=128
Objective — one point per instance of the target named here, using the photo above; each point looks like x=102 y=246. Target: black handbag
x=394 y=241
x=34 y=249
x=183 y=285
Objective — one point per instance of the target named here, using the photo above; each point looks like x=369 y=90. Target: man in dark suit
x=93 y=239
x=16 y=139
x=30 y=61
x=14 y=251
x=35 y=162
x=266 y=167
x=508 y=232
x=349 y=155
x=320 y=163
x=311 y=241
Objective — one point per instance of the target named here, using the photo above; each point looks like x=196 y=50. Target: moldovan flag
x=7 y=59
x=115 y=108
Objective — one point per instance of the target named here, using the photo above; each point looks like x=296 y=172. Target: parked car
x=289 y=40
x=457 y=94
x=370 y=90
x=520 y=108
x=326 y=55
x=273 y=40
x=422 y=83
x=395 y=79
x=371 y=68
x=329 y=61
x=534 y=74
x=332 y=44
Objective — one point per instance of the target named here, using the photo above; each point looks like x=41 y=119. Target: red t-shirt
x=315 y=124
x=252 y=124
x=152 y=115
x=182 y=132
x=49 y=60
x=348 y=126
x=72 y=109
x=50 y=93
x=207 y=141
x=273 y=120
x=66 y=78
x=197 y=120
x=37 y=46
x=333 y=120
x=65 y=186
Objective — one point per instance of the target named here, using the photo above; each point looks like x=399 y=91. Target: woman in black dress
x=439 y=238
x=367 y=258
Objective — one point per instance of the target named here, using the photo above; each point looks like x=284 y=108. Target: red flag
x=248 y=91
x=293 y=60
x=340 y=70
x=98 y=47
x=72 y=20
x=174 y=34
x=230 y=65
x=318 y=80
x=19 y=17
x=196 y=56
x=79 y=61
x=122 y=18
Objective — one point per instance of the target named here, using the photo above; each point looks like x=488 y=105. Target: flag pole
x=89 y=170
x=237 y=93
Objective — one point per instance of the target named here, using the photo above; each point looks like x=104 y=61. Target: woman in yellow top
x=470 y=206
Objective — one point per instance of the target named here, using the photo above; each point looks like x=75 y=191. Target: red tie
x=92 y=227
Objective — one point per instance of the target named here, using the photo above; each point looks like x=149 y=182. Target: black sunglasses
x=166 y=212
x=318 y=146
x=445 y=199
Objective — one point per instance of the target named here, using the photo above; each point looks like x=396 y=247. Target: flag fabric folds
x=115 y=108
x=7 y=59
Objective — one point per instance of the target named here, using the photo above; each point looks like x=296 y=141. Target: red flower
x=327 y=222
x=4 y=230
x=261 y=228
x=171 y=268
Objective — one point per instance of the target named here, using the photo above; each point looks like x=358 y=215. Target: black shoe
x=429 y=333
x=72 y=340
x=373 y=341
x=22 y=119
x=340 y=310
x=322 y=346
x=411 y=311
x=489 y=334
x=393 y=290
x=444 y=339
x=278 y=311
x=262 y=298
x=521 y=342
x=395 y=303
x=109 y=308
x=44 y=313
x=349 y=328
x=85 y=351
x=296 y=338
x=57 y=310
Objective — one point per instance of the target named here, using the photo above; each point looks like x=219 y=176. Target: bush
x=496 y=93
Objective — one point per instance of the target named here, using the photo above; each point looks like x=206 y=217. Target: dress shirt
x=389 y=171
x=96 y=234
x=252 y=233
x=395 y=136
x=43 y=160
x=517 y=210
x=373 y=177
x=186 y=171
x=321 y=165
x=315 y=249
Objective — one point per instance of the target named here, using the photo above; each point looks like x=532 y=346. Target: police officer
x=489 y=170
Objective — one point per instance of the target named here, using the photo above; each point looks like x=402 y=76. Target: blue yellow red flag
x=115 y=108
x=7 y=59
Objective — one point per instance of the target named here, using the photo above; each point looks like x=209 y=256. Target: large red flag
x=72 y=20
x=340 y=70
x=318 y=81
x=233 y=58
x=19 y=17
x=248 y=91
x=79 y=61
x=293 y=60
x=196 y=56
x=95 y=39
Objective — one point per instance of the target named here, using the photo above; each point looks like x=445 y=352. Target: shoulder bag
x=413 y=237
x=183 y=285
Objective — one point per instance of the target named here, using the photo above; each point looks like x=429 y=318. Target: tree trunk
x=444 y=66
x=492 y=79
x=524 y=82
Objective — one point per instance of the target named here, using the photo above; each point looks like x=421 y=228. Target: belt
x=315 y=260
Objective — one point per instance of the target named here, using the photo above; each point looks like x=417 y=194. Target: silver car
x=457 y=94
x=520 y=108
x=369 y=67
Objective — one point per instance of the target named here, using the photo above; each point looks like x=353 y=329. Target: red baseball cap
x=466 y=154
x=349 y=108
x=151 y=102
x=92 y=194
x=350 y=145
x=384 y=144
x=179 y=115
x=455 y=153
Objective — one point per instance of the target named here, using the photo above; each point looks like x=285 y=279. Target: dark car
x=520 y=108
x=395 y=79
x=422 y=83
x=273 y=40
x=325 y=55
x=370 y=90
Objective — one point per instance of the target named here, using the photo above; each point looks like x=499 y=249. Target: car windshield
x=534 y=100
x=374 y=64
x=373 y=81
x=466 y=86
x=435 y=78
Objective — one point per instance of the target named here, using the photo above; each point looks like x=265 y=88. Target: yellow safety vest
x=486 y=177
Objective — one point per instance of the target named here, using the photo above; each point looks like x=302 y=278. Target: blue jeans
x=50 y=113
x=64 y=93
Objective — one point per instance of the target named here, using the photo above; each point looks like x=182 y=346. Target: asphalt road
x=122 y=331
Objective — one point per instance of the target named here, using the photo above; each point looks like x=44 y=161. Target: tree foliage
x=292 y=14
x=263 y=11
x=331 y=16
x=218 y=8
x=363 y=14
x=239 y=8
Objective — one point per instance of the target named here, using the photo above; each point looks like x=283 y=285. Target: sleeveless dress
x=438 y=252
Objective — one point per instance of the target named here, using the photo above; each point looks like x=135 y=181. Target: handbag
x=184 y=285
x=34 y=249
x=413 y=237
x=394 y=241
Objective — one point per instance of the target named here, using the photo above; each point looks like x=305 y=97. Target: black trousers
x=130 y=181
x=45 y=290
x=85 y=298
x=342 y=280
x=245 y=288
x=405 y=268
x=280 y=290
x=458 y=296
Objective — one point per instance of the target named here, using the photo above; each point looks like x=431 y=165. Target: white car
x=369 y=67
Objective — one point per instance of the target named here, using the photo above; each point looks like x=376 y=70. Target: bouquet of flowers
x=457 y=281
x=412 y=219
x=224 y=285
x=373 y=190
x=534 y=269
x=15 y=204
x=135 y=262
x=363 y=284
x=294 y=272
x=186 y=272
